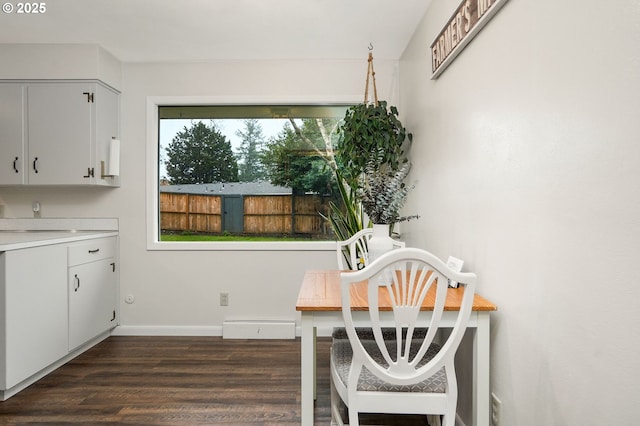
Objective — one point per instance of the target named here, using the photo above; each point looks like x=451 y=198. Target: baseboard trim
x=188 y=330
x=160 y=330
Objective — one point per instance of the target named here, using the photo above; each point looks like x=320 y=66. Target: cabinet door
x=35 y=306
x=59 y=133
x=12 y=158
x=92 y=300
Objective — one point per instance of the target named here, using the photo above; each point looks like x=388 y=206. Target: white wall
x=527 y=166
x=181 y=289
x=60 y=61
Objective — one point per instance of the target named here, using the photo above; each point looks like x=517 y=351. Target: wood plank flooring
x=179 y=381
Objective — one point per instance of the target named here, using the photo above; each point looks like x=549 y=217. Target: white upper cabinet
x=12 y=149
x=66 y=128
x=59 y=133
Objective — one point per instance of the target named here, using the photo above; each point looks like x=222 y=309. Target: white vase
x=380 y=242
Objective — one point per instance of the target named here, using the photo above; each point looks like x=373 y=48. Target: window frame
x=152 y=189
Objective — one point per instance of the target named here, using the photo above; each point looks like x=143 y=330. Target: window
x=244 y=175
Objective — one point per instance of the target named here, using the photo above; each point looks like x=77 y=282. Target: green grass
x=194 y=237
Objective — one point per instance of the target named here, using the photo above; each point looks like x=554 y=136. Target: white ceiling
x=204 y=30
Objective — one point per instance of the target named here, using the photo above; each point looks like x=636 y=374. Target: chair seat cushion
x=366 y=333
x=342 y=353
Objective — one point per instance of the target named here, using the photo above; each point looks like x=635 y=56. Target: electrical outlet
x=496 y=408
x=224 y=299
x=36 y=209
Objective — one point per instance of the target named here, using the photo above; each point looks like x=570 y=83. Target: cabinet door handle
x=94 y=251
x=35 y=164
x=113 y=266
x=77 y=283
x=114 y=315
x=15 y=165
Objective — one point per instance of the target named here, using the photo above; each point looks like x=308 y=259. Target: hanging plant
x=371 y=164
x=370 y=132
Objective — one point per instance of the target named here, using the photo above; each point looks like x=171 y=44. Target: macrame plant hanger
x=371 y=73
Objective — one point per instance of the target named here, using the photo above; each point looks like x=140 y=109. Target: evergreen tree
x=250 y=163
x=200 y=154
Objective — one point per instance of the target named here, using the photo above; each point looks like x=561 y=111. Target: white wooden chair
x=353 y=253
x=404 y=371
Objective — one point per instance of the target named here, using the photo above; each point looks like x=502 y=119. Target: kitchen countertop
x=24 y=233
x=14 y=240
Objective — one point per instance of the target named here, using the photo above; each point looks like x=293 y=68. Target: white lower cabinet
x=35 y=320
x=53 y=300
x=92 y=289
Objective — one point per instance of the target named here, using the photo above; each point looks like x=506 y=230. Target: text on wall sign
x=464 y=24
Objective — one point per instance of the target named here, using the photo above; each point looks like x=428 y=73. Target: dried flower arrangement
x=383 y=192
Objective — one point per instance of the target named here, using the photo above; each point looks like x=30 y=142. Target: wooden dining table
x=319 y=303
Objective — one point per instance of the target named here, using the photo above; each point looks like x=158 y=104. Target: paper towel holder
x=102 y=175
x=114 y=160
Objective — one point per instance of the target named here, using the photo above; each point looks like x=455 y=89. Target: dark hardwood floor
x=179 y=381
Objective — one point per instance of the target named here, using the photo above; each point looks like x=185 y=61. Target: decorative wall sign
x=464 y=24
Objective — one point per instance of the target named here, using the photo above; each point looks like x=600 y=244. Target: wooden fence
x=261 y=214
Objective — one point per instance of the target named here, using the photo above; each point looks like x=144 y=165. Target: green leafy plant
x=370 y=164
x=371 y=159
x=345 y=216
x=370 y=131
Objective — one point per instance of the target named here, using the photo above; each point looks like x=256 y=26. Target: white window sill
x=243 y=246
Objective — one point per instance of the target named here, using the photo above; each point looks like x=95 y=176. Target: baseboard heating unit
x=258 y=329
